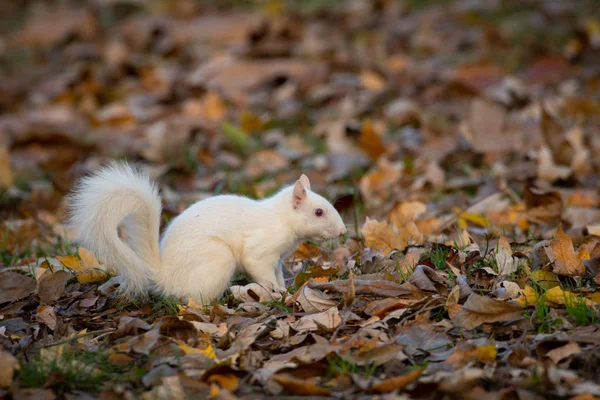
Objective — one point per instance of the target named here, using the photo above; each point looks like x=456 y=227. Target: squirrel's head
x=311 y=215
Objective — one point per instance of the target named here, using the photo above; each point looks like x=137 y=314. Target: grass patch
x=337 y=365
x=579 y=311
x=66 y=369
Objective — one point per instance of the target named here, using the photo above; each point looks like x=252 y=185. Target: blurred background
x=438 y=104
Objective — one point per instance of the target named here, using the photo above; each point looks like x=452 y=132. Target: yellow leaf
x=562 y=254
x=558 y=296
x=465 y=217
x=87 y=268
x=91 y=276
x=545 y=279
x=209 y=351
x=485 y=353
x=528 y=298
x=250 y=122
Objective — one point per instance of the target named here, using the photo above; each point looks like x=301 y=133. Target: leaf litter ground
x=457 y=139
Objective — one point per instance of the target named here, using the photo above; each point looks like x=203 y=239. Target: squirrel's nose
x=343 y=231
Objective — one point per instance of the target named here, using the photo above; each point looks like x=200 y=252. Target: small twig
x=79 y=337
x=342 y=323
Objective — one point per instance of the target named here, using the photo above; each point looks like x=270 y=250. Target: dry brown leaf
x=47 y=315
x=145 y=342
x=303 y=387
x=479 y=310
x=543 y=206
x=255 y=292
x=312 y=301
x=560 y=353
x=452 y=302
x=382 y=307
x=327 y=320
x=15 y=286
x=507 y=264
x=51 y=286
x=397 y=382
x=370 y=287
x=562 y=254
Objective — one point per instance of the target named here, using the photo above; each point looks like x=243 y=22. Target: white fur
x=204 y=246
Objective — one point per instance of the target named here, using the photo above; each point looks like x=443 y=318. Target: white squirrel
x=205 y=245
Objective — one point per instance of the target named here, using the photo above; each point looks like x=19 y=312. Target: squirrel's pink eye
x=319 y=212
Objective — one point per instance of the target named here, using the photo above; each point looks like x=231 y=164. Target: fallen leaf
x=386 y=238
x=145 y=342
x=87 y=268
x=543 y=206
x=15 y=286
x=312 y=301
x=370 y=287
x=327 y=320
x=370 y=141
x=396 y=383
x=8 y=365
x=47 y=315
x=254 y=292
x=51 y=286
x=407 y=211
x=562 y=254
x=465 y=353
x=479 y=310
x=452 y=302
x=303 y=387
x=560 y=353
x=507 y=264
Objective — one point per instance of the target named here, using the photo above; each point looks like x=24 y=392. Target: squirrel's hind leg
x=203 y=274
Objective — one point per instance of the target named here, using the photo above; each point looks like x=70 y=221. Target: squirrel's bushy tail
x=119 y=196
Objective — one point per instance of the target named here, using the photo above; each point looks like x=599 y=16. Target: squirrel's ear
x=299 y=195
x=305 y=182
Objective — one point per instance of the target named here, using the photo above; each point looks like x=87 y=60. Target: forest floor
x=460 y=141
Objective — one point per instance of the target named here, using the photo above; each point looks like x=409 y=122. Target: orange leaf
x=370 y=141
x=397 y=382
x=303 y=387
x=382 y=236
